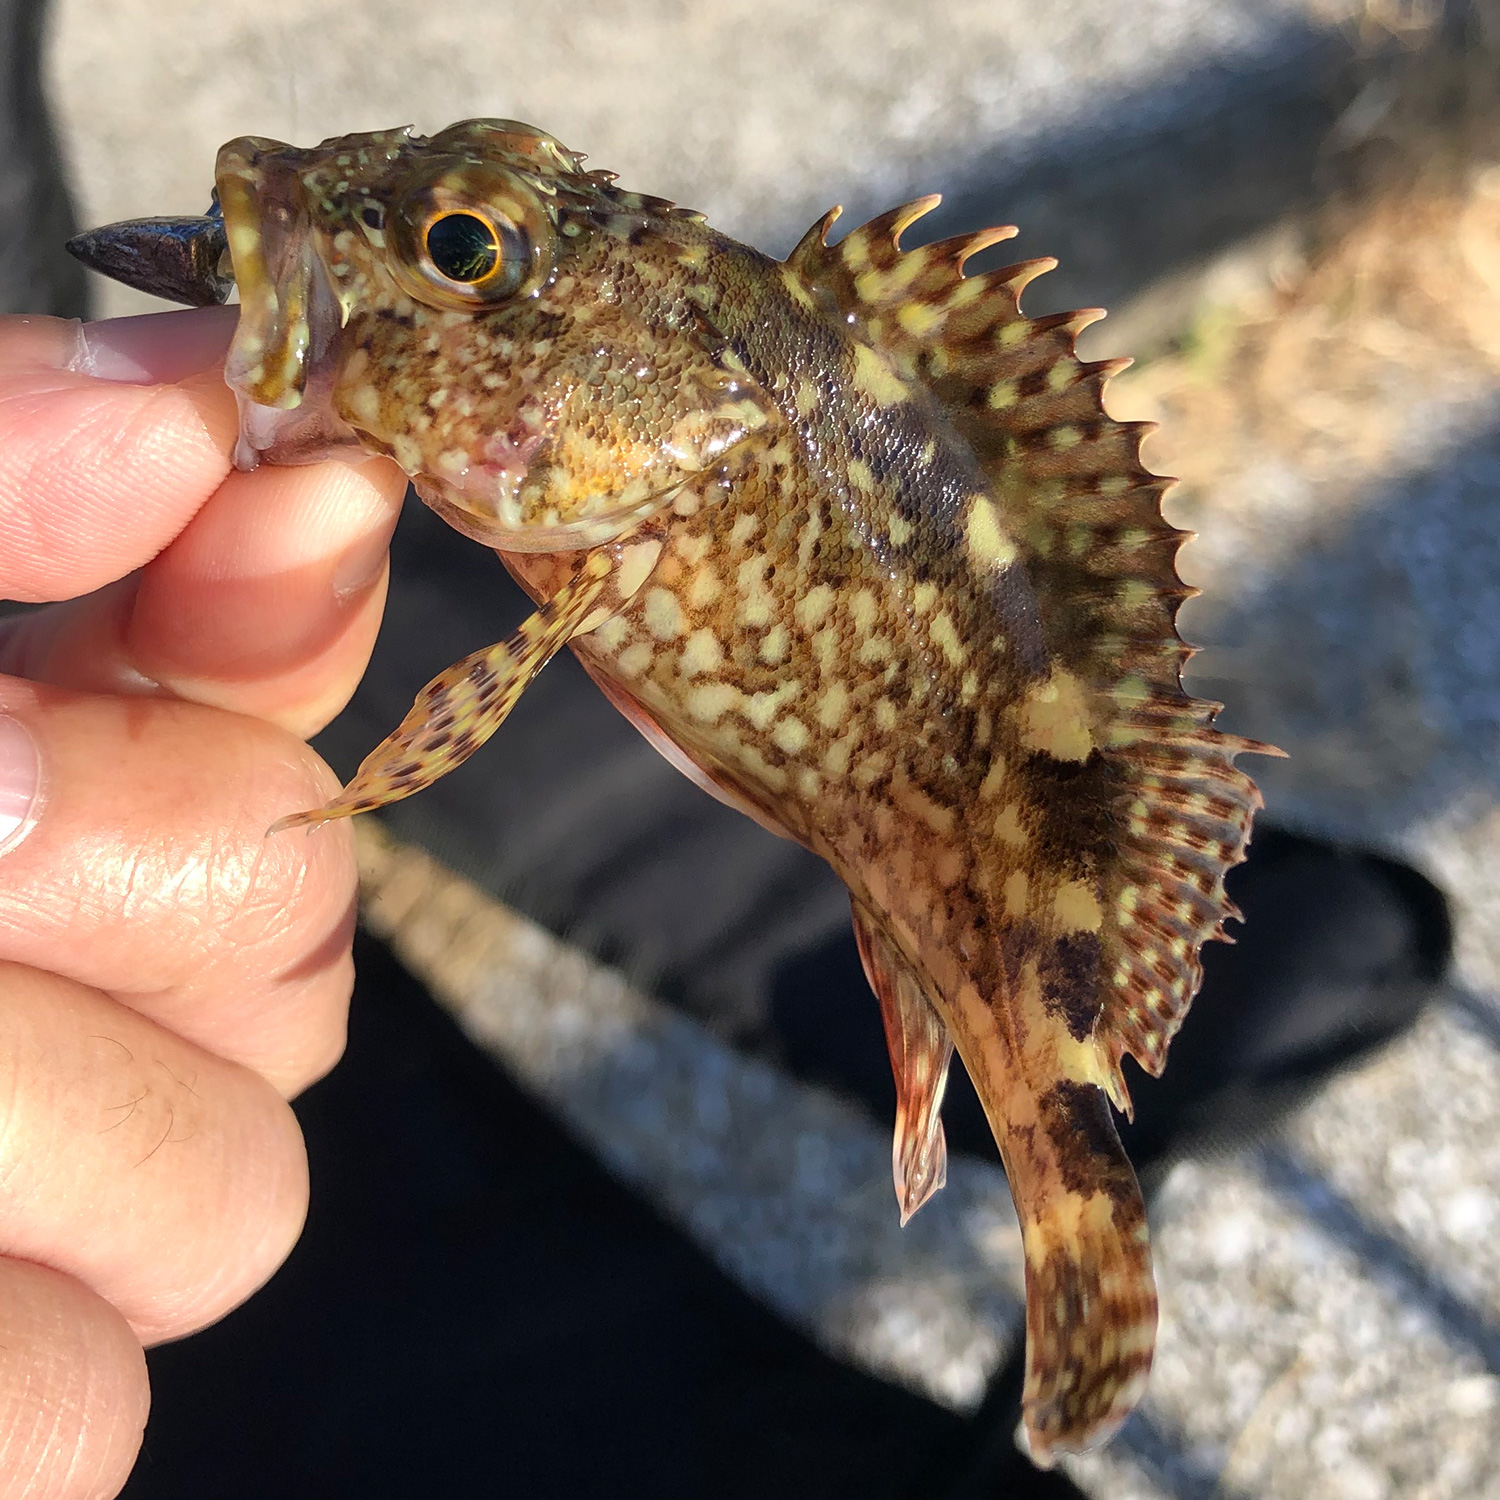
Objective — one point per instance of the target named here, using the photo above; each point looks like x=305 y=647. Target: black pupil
x=463 y=247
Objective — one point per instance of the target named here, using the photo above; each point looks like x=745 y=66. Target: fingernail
x=155 y=348
x=20 y=781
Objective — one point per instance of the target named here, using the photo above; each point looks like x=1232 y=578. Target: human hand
x=170 y=976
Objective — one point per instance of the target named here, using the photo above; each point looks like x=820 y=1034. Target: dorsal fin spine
x=1087 y=513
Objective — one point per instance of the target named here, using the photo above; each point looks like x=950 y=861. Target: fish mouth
x=270 y=243
x=283 y=360
x=257 y=236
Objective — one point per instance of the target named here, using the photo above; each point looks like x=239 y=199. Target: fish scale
x=857 y=546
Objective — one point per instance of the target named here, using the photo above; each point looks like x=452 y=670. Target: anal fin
x=921 y=1050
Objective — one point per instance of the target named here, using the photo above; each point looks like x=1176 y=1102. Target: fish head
x=518 y=334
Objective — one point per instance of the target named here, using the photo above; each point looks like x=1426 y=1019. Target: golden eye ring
x=464 y=235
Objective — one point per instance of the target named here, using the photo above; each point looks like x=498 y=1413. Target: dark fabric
x=476 y=1308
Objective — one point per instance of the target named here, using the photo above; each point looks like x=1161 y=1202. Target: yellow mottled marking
x=756 y=606
x=709 y=702
x=1008 y=827
x=793 y=284
x=612 y=634
x=701 y=654
x=876 y=378
x=920 y=318
x=637 y=659
x=885 y=714
x=664 y=618
x=861 y=476
x=1014 y=893
x=945 y=637
x=813 y=606
x=790 y=735
x=1075 y=908
x=923 y=597
x=825 y=649
x=989 y=546
x=898 y=528
x=833 y=706
x=745 y=526
x=865 y=610
x=994 y=779
x=1053 y=718
x=704 y=589
x=774 y=647
x=762 y=708
x=919 y=805
x=364 y=403
x=969 y=290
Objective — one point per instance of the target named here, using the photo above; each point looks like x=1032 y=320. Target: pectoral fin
x=459 y=710
x=921 y=1050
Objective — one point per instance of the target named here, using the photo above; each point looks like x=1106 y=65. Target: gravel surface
x=1346 y=1389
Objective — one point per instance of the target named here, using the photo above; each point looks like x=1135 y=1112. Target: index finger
x=98 y=476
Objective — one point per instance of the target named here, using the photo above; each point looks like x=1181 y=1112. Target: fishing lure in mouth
x=853 y=541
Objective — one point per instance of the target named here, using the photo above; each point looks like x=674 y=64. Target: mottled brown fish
x=853 y=541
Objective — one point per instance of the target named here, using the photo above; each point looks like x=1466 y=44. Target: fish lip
x=284 y=360
x=178 y=259
x=269 y=234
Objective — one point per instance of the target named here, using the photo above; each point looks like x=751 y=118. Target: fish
x=855 y=543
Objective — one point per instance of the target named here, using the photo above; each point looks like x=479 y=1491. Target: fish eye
x=468 y=234
x=463 y=247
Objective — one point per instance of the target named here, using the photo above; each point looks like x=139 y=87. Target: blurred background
x=601 y=1193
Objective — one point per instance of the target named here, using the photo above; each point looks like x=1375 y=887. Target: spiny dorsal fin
x=1085 y=513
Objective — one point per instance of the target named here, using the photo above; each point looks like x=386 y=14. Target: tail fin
x=1090 y=1294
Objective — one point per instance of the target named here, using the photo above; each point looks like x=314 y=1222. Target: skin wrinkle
x=127 y=457
x=248 y=1176
x=11 y=1090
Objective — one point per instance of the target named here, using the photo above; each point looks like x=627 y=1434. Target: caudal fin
x=1090 y=1293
